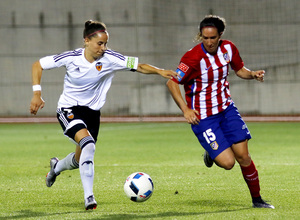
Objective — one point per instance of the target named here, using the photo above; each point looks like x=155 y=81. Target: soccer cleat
x=207 y=159
x=51 y=176
x=259 y=203
x=90 y=203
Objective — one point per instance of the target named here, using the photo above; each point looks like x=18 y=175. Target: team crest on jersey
x=183 y=67
x=99 y=66
x=214 y=145
x=70 y=115
x=226 y=57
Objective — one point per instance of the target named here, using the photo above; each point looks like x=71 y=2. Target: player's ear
x=86 y=41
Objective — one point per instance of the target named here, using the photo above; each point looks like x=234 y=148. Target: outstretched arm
x=189 y=114
x=149 y=69
x=245 y=73
x=37 y=101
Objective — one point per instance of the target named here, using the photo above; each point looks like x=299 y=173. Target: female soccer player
x=210 y=110
x=89 y=73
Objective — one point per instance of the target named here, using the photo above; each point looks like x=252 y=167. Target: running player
x=210 y=110
x=89 y=73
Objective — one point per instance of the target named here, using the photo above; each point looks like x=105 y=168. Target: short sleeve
x=48 y=63
x=236 y=61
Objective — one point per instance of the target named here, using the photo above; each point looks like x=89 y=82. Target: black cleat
x=259 y=203
x=207 y=159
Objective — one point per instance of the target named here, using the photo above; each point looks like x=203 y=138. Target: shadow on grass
x=164 y=214
x=223 y=207
x=23 y=214
x=220 y=206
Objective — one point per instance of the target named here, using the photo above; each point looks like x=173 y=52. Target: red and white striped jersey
x=204 y=77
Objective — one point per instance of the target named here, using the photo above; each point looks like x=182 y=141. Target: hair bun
x=88 y=23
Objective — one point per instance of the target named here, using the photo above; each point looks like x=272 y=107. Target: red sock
x=250 y=175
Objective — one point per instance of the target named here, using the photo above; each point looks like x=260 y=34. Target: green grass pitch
x=168 y=152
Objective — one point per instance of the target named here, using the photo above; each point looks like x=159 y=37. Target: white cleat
x=90 y=203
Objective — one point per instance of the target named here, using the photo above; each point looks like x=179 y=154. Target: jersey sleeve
x=58 y=60
x=125 y=63
x=184 y=69
x=236 y=61
x=48 y=63
x=121 y=62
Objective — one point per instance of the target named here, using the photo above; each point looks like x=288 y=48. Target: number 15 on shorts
x=209 y=136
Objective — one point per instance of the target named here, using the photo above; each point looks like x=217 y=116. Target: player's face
x=210 y=39
x=97 y=45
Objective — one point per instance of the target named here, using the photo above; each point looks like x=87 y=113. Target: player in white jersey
x=215 y=120
x=89 y=72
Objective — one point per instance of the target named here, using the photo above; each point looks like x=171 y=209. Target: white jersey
x=85 y=83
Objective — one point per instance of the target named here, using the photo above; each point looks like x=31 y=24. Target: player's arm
x=149 y=69
x=189 y=114
x=245 y=73
x=37 y=101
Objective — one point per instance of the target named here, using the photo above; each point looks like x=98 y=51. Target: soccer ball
x=138 y=187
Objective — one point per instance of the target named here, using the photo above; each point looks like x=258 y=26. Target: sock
x=68 y=163
x=86 y=165
x=250 y=175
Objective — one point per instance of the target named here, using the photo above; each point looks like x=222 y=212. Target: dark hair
x=92 y=27
x=211 y=21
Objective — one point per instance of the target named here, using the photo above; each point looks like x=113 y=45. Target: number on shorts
x=209 y=136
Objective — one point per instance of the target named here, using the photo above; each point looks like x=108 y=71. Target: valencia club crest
x=99 y=66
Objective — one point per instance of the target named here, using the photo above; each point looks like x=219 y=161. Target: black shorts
x=78 y=117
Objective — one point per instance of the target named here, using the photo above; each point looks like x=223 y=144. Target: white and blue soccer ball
x=138 y=187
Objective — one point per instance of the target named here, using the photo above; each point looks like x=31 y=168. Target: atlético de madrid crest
x=226 y=57
x=99 y=66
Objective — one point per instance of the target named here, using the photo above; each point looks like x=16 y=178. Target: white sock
x=86 y=166
x=68 y=163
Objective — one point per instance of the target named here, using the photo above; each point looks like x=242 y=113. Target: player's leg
x=57 y=166
x=69 y=123
x=249 y=173
x=86 y=166
x=237 y=133
x=248 y=169
x=212 y=139
x=77 y=153
x=225 y=159
x=68 y=163
x=80 y=124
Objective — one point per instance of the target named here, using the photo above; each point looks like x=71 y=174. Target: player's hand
x=191 y=116
x=168 y=74
x=258 y=75
x=37 y=103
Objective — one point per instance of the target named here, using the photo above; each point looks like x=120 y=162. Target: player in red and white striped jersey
x=209 y=108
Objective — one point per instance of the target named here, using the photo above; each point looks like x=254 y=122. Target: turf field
x=168 y=152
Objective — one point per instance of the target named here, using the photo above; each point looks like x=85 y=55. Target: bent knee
x=228 y=165
x=226 y=159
